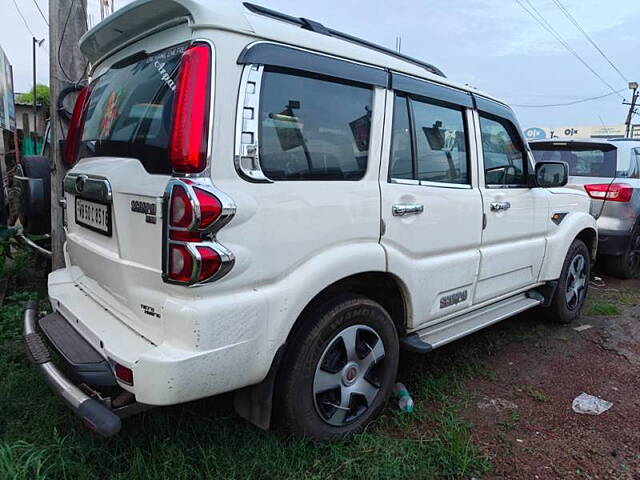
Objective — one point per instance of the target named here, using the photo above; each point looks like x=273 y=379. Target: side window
x=401 y=157
x=441 y=145
x=312 y=128
x=504 y=157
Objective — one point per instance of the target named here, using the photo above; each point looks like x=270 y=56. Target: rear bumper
x=172 y=371
x=94 y=413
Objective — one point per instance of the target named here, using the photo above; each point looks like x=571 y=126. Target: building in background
x=581 y=131
x=25 y=126
x=8 y=157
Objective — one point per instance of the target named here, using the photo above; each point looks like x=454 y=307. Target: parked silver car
x=609 y=170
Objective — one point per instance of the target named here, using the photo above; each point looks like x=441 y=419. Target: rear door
x=114 y=192
x=431 y=207
x=513 y=239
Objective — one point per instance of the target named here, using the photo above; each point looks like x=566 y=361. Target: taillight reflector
x=190 y=115
x=209 y=262
x=181 y=211
x=76 y=127
x=124 y=374
x=180 y=264
x=210 y=207
x=614 y=192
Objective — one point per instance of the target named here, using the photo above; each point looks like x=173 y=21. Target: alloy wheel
x=347 y=376
x=576 y=282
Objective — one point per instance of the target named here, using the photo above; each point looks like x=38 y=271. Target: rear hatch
x=590 y=163
x=114 y=193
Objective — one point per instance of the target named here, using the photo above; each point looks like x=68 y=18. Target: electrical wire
x=571 y=18
x=41 y=14
x=23 y=19
x=538 y=17
x=568 y=103
x=62 y=33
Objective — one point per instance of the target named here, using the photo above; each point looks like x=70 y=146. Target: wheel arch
x=254 y=403
x=590 y=237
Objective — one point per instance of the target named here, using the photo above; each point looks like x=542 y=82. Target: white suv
x=264 y=205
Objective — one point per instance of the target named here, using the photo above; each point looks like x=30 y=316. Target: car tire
x=36 y=166
x=573 y=284
x=339 y=369
x=628 y=265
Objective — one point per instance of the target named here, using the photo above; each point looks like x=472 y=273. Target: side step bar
x=433 y=336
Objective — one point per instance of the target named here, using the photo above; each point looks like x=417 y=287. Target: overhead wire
x=573 y=20
x=574 y=102
x=23 y=19
x=538 y=17
x=41 y=13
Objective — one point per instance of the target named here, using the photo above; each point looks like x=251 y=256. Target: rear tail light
x=124 y=374
x=210 y=207
x=180 y=264
x=181 y=210
x=196 y=211
x=614 y=192
x=209 y=262
x=190 y=116
x=76 y=127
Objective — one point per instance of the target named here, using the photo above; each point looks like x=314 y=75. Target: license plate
x=94 y=216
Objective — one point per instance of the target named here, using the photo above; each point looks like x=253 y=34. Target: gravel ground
x=522 y=415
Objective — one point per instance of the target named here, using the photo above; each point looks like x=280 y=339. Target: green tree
x=42 y=96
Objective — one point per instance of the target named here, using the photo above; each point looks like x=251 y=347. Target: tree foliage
x=42 y=96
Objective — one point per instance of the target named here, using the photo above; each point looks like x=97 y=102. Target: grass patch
x=42 y=439
x=603 y=309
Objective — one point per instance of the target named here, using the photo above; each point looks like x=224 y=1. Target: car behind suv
x=609 y=171
x=260 y=204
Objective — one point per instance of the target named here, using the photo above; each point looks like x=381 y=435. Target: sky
x=493 y=45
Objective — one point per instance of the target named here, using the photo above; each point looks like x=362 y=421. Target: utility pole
x=36 y=43
x=67 y=23
x=632 y=107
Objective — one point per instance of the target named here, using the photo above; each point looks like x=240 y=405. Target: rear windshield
x=129 y=111
x=586 y=160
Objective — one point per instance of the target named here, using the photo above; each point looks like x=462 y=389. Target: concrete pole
x=67 y=23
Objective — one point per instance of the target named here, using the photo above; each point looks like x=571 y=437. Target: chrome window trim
x=404 y=181
x=459 y=186
x=246 y=155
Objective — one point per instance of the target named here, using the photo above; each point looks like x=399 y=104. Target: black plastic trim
x=84 y=363
x=273 y=54
x=412 y=343
x=424 y=88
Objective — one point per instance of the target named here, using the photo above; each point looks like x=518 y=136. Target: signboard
x=7 y=107
x=580 y=131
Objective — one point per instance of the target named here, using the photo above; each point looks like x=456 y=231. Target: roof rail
x=321 y=29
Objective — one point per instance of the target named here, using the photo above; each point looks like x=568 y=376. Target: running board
x=434 y=336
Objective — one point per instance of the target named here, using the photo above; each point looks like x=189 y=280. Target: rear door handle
x=402 y=209
x=498 y=206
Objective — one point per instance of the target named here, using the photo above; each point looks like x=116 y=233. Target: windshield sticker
x=109 y=115
x=164 y=75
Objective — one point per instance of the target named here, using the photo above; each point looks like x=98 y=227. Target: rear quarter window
x=313 y=128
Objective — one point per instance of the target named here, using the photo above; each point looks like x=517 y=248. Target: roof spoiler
x=130 y=23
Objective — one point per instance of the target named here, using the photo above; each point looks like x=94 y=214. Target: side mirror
x=552 y=174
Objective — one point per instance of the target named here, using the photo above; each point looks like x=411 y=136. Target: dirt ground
x=522 y=415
